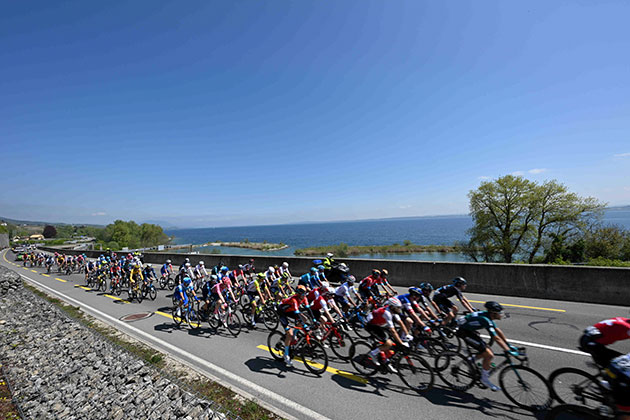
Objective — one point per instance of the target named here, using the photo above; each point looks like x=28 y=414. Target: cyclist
x=442 y=295
x=380 y=323
x=412 y=311
x=342 y=294
x=310 y=280
x=604 y=333
x=136 y=273
x=167 y=269
x=181 y=292
x=284 y=270
x=148 y=273
x=200 y=271
x=366 y=286
x=254 y=293
x=328 y=261
x=317 y=301
x=427 y=303
x=206 y=291
x=320 y=274
x=467 y=331
x=290 y=308
x=384 y=283
x=249 y=268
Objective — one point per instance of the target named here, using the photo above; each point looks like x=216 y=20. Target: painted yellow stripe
x=83 y=287
x=34 y=271
x=116 y=298
x=523 y=306
x=164 y=314
x=61 y=280
x=47 y=275
x=334 y=371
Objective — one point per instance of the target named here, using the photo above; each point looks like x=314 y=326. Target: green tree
x=515 y=216
x=49 y=231
x=608 y=242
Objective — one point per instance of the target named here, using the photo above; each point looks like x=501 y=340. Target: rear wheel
x=177 y=315
x=574 y=386
x=152 y=292
x=275 y=343
x=456 y=371
x=192 y=316
x=360 y=358
x=233 y=322
x=270 y=318
x=340 y=343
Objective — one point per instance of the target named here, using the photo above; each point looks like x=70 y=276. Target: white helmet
x=201 y=263
x=394 y=302
x=271 y=269
x=330 y=254
x=168 y=261
x=325 y=284
x=285 y=264
x=187 y=264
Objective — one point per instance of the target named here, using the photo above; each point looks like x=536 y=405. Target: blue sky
x=208 y=113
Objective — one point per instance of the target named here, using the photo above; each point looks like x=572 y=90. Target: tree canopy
x=516 y=217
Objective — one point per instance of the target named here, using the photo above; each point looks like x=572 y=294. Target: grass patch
x=225 y=397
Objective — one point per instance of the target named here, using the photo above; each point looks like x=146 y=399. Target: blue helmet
x=321 y=267
x=426 y=287
x=414 y=291
x=313 y=270
x=187 y=281
x=224 y=268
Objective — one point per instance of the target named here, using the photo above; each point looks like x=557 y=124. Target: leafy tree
x=514 y=216
x=49 y=231
x=608 y=242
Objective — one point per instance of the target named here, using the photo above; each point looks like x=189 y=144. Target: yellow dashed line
x=61 y=280
x=523 y=306
x=34 y=271
x=334 y=371
x=45 y=275
x=116 y=298
x=164 y=314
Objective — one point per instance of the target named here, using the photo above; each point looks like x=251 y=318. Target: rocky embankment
x=60 y=369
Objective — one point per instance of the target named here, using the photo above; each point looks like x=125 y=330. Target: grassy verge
x=8 y=410
x=344 y=250
x=225 y=397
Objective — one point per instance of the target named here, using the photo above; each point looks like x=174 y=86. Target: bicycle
x=339 y=341
x=134 y=292
x=522 y=385
x=148 y=289
x=190 y=313
x=357 y=320
x=415 y=372
x=166 y=281
x=574 y=386
x=304 y=345
x=228 y=318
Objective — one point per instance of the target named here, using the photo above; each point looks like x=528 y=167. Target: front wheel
x=314 y=357
x=415 y=372
x=525 y=387
x=340 y=343
x=192 y=318
x=233 y=322
x=574 y=386
x=152 y=292
x=177 y=315
x=270 y=318
x=275 y=344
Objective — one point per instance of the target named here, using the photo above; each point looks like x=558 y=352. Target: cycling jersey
x=368 y=282
x=344 y=290
x=382 y=317
x=309 y=280
x=611 y=330
x=447 y=292
x=477 y=321
x=407 y=303
x=180 y=293
x=293 y=303
x=253 y=287
x=166 y=268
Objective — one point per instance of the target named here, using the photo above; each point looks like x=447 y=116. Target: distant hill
x=37 y=223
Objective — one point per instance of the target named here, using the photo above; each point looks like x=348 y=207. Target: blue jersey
x=406 y=301
x=180 y=293
x=165 y=268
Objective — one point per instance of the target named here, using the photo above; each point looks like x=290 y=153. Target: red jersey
x=368 y=282
x=292 y=303
x=613 y=330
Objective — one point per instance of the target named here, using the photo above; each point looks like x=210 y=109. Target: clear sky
x=208 y=113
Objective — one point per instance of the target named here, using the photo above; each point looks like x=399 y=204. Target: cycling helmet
x=214 y=277
x=394 y=302
x=313 y=270
x=492 y=306
x=375 y=272
x=384 y=272
x=187 y=264
x=285 y=264
x=224 y=268
x=187 y=260
x=251 y=260
x=351 y=279
x=330 y=254
x=261 y=275
x=201 y=263
x=325 y=284
x=426 y=287
x=240 y=266
x=414 y=291
x=300 y=290
x=187 y=281
x=321 y=267
x=271 y=269
x=147 y=265
x=459 y=281
x=329 y=291
x=168 y=261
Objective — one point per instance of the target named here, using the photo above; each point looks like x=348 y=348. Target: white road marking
x=544 y=346
x=217 y=369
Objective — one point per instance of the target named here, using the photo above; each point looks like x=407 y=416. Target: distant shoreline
x=260 y=246
x=346 y=250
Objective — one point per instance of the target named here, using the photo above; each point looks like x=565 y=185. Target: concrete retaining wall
x=4 y=240
x=606 y=285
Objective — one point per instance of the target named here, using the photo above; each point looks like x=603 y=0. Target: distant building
x=36 y=237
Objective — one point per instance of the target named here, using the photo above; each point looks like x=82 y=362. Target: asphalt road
x=549 y=329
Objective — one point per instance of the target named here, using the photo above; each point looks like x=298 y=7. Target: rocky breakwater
x=60 y=369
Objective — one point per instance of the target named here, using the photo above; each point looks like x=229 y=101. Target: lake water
x=439 y=230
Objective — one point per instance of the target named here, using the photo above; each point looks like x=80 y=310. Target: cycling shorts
x=472 y=339
x=341 y=300
x=377 y=332
x=601 y=354
x=252 y=296
x=284 y=317
x=443 y=303
x=619 y=367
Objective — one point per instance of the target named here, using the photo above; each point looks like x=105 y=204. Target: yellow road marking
x=45 y=275
x=83 y=287
x=61 y=280
x=164 y=314
x=523 y=306
x=334 y=371
x=116 y=298
x=34 y=271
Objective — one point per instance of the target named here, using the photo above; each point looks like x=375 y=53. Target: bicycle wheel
x=117 y=289
x=214 y=321
x=429 y=347
x=574 y=386
x=170 y=283
x=152 y=292
x=275 y=344
x=138 y=294
x=358 y=328
x=456 y=371
x=176 y=312
x=314 y=356
x=415 y=372
x=192 y=316
x=525 y=387
x=360 y=358
x=233 y=322
x=572 y=412
x=270 y=318
x=340 y=343
x=162 y=283
x=450 y=340
x=103 y=285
